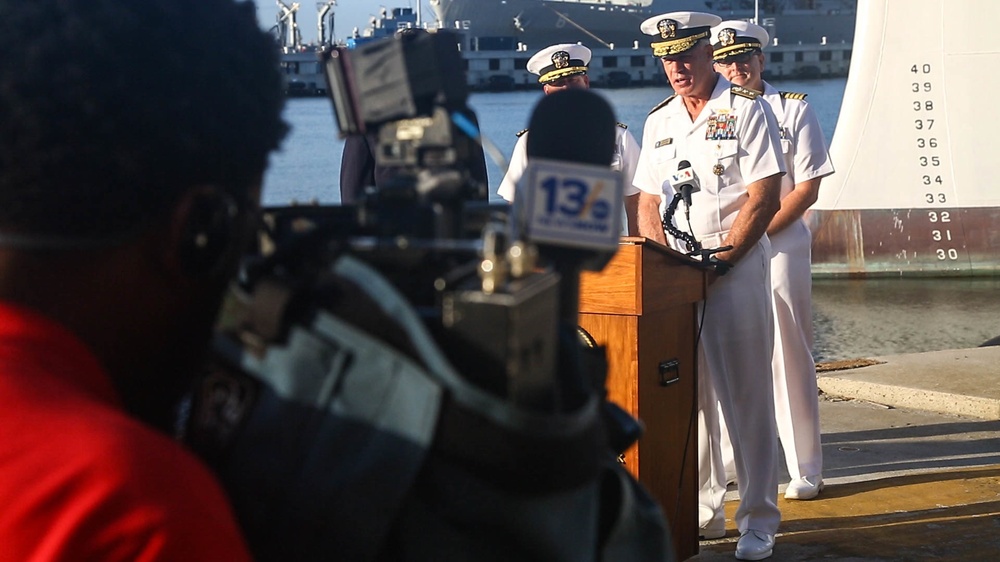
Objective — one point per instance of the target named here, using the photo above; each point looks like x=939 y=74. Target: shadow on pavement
x=947 y=515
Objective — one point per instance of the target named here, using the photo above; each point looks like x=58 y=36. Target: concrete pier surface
x=911 y=448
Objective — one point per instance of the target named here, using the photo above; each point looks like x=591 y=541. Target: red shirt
x=82 y=480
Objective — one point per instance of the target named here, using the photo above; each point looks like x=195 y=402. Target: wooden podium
x=642 y=308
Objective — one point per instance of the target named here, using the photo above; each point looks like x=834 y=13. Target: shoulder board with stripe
x=793 y=95
x=622 y=125
x=662 y=104
x=521 y=132
x=745 y=92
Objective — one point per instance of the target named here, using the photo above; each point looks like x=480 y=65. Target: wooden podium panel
x=643 y=308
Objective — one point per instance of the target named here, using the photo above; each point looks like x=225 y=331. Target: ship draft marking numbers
x=923 y=91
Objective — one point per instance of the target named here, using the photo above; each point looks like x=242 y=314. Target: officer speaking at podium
x=730 y=140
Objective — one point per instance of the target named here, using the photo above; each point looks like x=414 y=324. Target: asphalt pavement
x=911 y=450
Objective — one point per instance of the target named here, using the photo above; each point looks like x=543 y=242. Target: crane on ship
x=325 y=22
x=565 y=18
x=286 y=30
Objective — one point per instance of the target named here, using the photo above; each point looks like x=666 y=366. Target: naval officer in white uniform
x=730 y=139
x=561 y=67
x=738 y=56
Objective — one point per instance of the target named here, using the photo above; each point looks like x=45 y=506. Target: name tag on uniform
x=664 y=142
x=721 y=126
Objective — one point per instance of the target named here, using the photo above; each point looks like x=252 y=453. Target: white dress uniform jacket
x=733 y=142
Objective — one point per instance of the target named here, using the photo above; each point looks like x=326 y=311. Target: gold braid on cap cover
x=737 y=49
x=675 y=46
x=562 y=65
x=555 y=74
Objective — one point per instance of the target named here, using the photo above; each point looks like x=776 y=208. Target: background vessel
x=537 y=23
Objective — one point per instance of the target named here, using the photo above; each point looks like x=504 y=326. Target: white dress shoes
x=754 y=545
x=805 y=488
x=714 y=529
x=711 y=524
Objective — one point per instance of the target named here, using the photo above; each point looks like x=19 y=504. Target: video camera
x=407 y=93
x=377 y=367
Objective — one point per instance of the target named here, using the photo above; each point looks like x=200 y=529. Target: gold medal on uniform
x=718 y=169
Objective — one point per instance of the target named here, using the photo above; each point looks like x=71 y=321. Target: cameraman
x=133 y=138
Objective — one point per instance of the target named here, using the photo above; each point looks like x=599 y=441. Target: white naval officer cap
x=733 y=38
x=559 y=61
x=677 y=32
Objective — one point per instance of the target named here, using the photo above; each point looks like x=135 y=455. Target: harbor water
x=852 y=318
x=308 y=165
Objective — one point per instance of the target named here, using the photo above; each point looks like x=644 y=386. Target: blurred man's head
x=133 y=138
x=737 y=52
x=561 y=67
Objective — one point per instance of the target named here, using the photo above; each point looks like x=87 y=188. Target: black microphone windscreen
x=573 y=126
x=683 y=165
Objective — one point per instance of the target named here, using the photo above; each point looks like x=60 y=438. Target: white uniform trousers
x=734 y=366
x=796 y=402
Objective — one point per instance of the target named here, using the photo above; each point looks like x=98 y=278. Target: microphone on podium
x=685 y=181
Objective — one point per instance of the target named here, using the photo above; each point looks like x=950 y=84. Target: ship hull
x=945 y=242
x=538 y=23
x=915 y=190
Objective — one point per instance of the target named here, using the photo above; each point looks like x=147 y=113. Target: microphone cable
x=668 y=225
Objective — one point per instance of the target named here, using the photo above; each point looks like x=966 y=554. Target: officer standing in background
x=730 y=139
x=562 y=67
x=738 y=56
